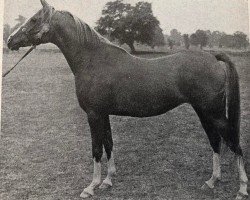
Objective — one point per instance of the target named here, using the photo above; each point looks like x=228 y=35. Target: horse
x=110 y=81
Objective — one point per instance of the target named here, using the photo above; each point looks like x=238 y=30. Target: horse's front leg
x=108 y=146
x=97 y=128
x=216 y=176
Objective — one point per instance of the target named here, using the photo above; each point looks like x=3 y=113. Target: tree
x=227 y=41
x=170 y=43
x=186 y=41
x=237 y=40
x=215 y=38
x=199 y=38
x=158 y=38
x=209 y=38
x=240 y=39
x=129 y=23
x=175 y=35
x=6 y=32
x=194 y=39
x=202 y=38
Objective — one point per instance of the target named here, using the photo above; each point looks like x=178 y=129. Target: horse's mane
x=88 y=36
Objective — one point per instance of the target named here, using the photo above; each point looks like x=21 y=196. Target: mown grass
x=45 y=146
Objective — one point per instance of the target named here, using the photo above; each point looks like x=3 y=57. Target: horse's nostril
x=9 y=39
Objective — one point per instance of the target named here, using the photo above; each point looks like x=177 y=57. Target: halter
x=46 y=21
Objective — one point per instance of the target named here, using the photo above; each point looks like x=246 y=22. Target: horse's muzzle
x=12 y=45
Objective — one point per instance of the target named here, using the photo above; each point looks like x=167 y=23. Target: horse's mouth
x=14 y=47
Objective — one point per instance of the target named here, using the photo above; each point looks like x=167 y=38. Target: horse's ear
x=44 y=3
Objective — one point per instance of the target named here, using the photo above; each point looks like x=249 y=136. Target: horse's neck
x=77 y=56
x=78 y=59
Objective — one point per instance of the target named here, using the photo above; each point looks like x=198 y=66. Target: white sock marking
x=216 y=171
x=242 y=176
x=95 y=182
x=111 y=171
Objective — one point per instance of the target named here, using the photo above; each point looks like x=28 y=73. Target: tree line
x=203 y=38
x=127 y=24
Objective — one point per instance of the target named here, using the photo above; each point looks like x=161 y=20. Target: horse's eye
x=24 y=29
x=33 y=20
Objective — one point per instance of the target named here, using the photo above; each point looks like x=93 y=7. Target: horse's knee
x=215 y=142
x=236 y=149
x=108 y=143
x=108 y=146
x=97 y=153
x=94 y=117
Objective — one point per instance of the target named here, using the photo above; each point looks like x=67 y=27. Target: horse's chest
x=83 y=87
x=93 y=93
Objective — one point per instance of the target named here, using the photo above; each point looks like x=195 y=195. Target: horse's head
x=35 y=31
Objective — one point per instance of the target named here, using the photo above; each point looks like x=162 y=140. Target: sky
x=185 y=15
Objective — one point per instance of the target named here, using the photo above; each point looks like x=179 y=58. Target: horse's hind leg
x=108 y=146
x=233 y=142
x=215 y=141
x=243 y=179
x=216 y=125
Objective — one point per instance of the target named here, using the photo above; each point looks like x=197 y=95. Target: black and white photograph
x=125 y=100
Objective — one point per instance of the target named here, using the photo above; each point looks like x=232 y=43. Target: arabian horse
x=110 y=81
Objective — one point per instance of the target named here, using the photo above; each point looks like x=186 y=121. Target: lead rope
x=33 y=47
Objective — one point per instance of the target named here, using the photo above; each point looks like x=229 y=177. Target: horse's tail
x=233 y=104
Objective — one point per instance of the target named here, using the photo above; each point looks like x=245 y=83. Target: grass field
x=45 y=146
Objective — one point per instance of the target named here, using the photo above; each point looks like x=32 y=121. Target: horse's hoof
x=241 y=196
x=206 y=187
x=87 y=193
x=105 y=184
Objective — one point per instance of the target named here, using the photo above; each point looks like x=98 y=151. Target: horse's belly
x=142 y=112
x=146 y=107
